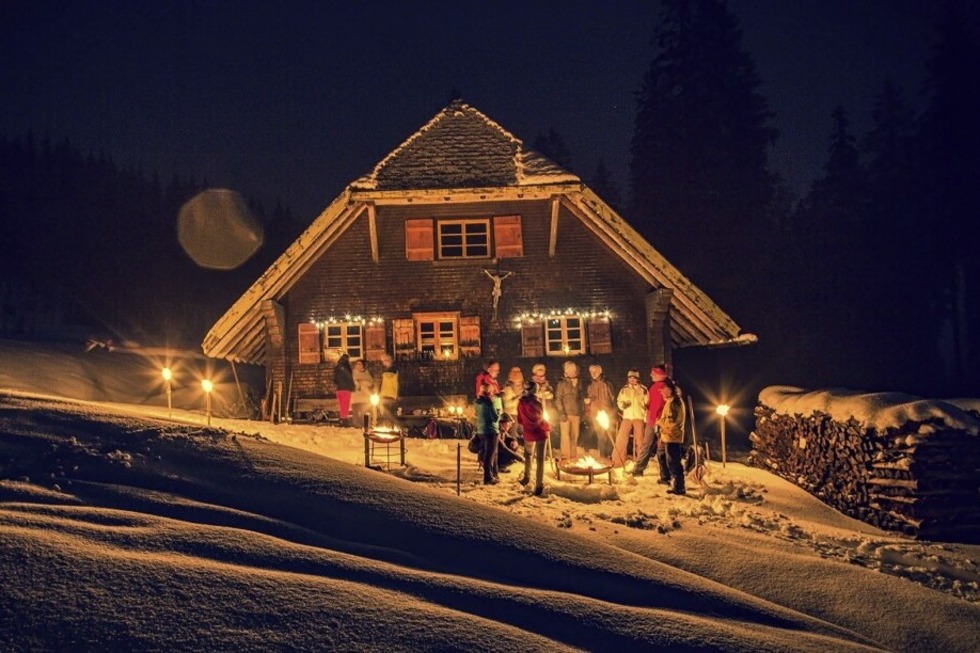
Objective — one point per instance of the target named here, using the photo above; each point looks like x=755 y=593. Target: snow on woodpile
x=893 y=460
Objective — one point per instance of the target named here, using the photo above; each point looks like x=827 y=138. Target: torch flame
x=603 y=419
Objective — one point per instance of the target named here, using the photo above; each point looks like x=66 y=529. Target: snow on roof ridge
x=457 y=106
x=876 y=410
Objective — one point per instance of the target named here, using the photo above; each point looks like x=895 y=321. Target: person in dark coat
x=488 y=431
x=508 y=446
x=672 y=426
x=343 y=379
x=570 y=406
x=601 y=398
x=530 y=414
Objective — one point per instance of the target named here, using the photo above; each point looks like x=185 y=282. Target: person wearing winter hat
x=488 y=430
x=530 y=414
x=672 y=426
x=511 y=394
x=632 y=403
x=570 y=405
x=543 y=389
x=600 y=397
x=655 y=406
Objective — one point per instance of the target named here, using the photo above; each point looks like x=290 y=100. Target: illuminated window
x=438 y=335
x=564 y=336
x=464 y=238
x=344 y=336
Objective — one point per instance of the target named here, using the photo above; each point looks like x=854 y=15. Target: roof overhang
x=695 y=319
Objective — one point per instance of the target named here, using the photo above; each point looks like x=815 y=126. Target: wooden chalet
x=408 y=257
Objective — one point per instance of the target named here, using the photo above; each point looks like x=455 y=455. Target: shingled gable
x=461 y=155
x=462 y=148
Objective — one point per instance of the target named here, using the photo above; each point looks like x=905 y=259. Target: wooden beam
x=553 y=237
x=373 y=231
x=460 y=195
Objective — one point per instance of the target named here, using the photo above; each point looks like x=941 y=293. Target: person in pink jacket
x=530 y=414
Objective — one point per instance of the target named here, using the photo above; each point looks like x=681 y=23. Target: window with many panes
x=438 y=335
x=464 y=238
x=345 y=336
x=564 y=335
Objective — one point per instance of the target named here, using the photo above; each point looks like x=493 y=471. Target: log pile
x=921 y=478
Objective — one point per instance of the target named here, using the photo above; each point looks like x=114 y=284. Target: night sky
x=294 y=100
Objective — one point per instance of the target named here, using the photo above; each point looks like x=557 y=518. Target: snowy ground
x=123 y=528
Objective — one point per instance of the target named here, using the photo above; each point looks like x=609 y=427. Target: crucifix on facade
x=497 y=279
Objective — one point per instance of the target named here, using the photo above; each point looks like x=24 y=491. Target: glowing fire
x=588 y=461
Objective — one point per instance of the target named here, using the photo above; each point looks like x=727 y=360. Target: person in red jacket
x=530 y=414
x=659 y=378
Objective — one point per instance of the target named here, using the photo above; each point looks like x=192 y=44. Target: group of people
x=655 y=417
x=355 y=385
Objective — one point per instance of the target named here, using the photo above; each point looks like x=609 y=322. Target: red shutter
x=532 y=339
x=507 y=236
x=600 y=336
x=374 y=341
x=403 y=334
x=309 y=343
x=419 y=240
x=469 y=337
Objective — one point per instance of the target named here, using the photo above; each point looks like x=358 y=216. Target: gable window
x=464 y=239
x=438 y=335
x=564 y=335
x=344 y=336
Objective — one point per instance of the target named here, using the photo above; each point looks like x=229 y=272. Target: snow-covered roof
x=461 y=155
x=879 y=411
x=461 y=148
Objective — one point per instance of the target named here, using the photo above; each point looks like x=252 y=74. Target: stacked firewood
x=922 y=478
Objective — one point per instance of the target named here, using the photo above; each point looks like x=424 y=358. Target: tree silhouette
x=552 y=145
x=700 y=184
x=948 y=171
x=604 y=186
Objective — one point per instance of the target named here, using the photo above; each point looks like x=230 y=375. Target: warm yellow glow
x=207 y=386
x=588 y=461
x=167 y=374
x=722 y=409
x=566 y=349
x=375 y=399
x=603 y=419
x=545 y=416
x=447 y=352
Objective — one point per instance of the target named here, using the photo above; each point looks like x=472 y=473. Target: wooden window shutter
x=403 y=334
x=309 y=343
x=419 y=243
x=507 y=236
x=532 y=340
x=600 y=337
x=374 y=341
x=469 y=336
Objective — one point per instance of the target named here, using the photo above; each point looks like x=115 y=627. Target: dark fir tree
x=948 y=164
x=832 y=245
x=552 y=145
x=701 y=188
x=604 y=186
x=896 y=258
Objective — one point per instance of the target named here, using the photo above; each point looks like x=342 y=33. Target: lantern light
x=167 y=376
x=722 y=410
x=208 y=387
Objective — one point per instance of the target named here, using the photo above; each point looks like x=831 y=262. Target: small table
x=387 y=437
x=584 y=470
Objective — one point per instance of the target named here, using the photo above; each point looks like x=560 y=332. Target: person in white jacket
x=632 y=403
